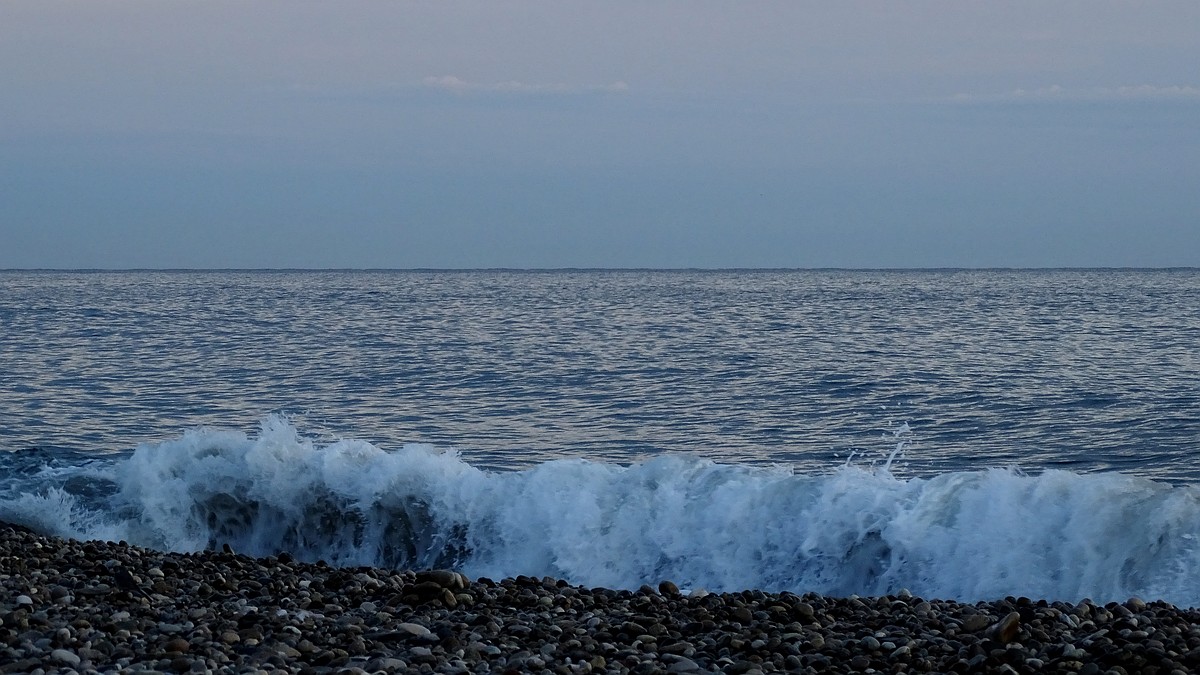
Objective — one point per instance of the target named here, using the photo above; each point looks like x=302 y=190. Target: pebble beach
x=69 y=606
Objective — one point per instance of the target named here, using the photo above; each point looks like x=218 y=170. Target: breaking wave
x=963 y=535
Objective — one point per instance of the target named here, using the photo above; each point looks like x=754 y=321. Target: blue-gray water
x=1094 y=372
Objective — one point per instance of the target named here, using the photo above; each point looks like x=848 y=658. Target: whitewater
x=855 y=530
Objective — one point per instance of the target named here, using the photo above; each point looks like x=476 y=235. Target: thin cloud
x=1053 y=93
x=458 y=85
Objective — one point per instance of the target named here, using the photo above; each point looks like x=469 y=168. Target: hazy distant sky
x=602 y=134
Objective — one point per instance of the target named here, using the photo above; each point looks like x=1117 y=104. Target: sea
x=962 y=434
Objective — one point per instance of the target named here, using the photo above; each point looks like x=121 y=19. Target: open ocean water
x=962 y=434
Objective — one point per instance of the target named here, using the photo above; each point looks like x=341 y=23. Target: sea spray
x=962 y=535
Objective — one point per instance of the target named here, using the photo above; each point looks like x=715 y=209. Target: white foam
x=967 y=535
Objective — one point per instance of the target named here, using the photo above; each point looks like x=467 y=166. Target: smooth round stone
x=413 y=629
x=177 y=645
x=683 y=665
x=64 y=656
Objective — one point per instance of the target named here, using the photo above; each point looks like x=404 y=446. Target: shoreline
x=96 y=606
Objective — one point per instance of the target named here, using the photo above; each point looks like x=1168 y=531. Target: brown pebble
x=177 y=645
x=1005 y=630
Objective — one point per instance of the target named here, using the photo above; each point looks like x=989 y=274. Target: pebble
x=683 y=664
x=413 y=629
x=1005 y=630
x=64 y=656
x=224 y=612
x=177 y=645
x=976 y=622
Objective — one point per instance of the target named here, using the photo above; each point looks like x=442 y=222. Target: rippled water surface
x=1087 y=370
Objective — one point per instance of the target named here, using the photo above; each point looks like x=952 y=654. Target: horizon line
x=607 y=269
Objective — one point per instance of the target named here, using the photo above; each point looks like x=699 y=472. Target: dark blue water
x=736 y=425
x=1091 y=370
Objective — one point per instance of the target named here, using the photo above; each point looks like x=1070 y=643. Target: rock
x=412 y=629
x=976 y=622
x=66 y=657
x=1005 y=630
x=443 y=578
x=668 y=587
x=386 y=664
x=405 y=632
x=804 y=610
x=682 y=664
x=287 y=651
x=21 y=666
x=178 y=645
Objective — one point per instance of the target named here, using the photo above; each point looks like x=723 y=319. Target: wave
x=965 y=535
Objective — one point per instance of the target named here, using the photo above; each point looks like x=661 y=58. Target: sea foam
x=964 y=535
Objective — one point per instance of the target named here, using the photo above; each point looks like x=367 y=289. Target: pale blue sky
x=609 y=134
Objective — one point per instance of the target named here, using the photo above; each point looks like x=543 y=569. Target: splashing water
x=962 y=535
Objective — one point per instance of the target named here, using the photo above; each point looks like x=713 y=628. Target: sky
x=388 y=134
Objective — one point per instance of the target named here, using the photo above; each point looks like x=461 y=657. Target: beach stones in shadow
x=445 y=587
x=227 y=613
